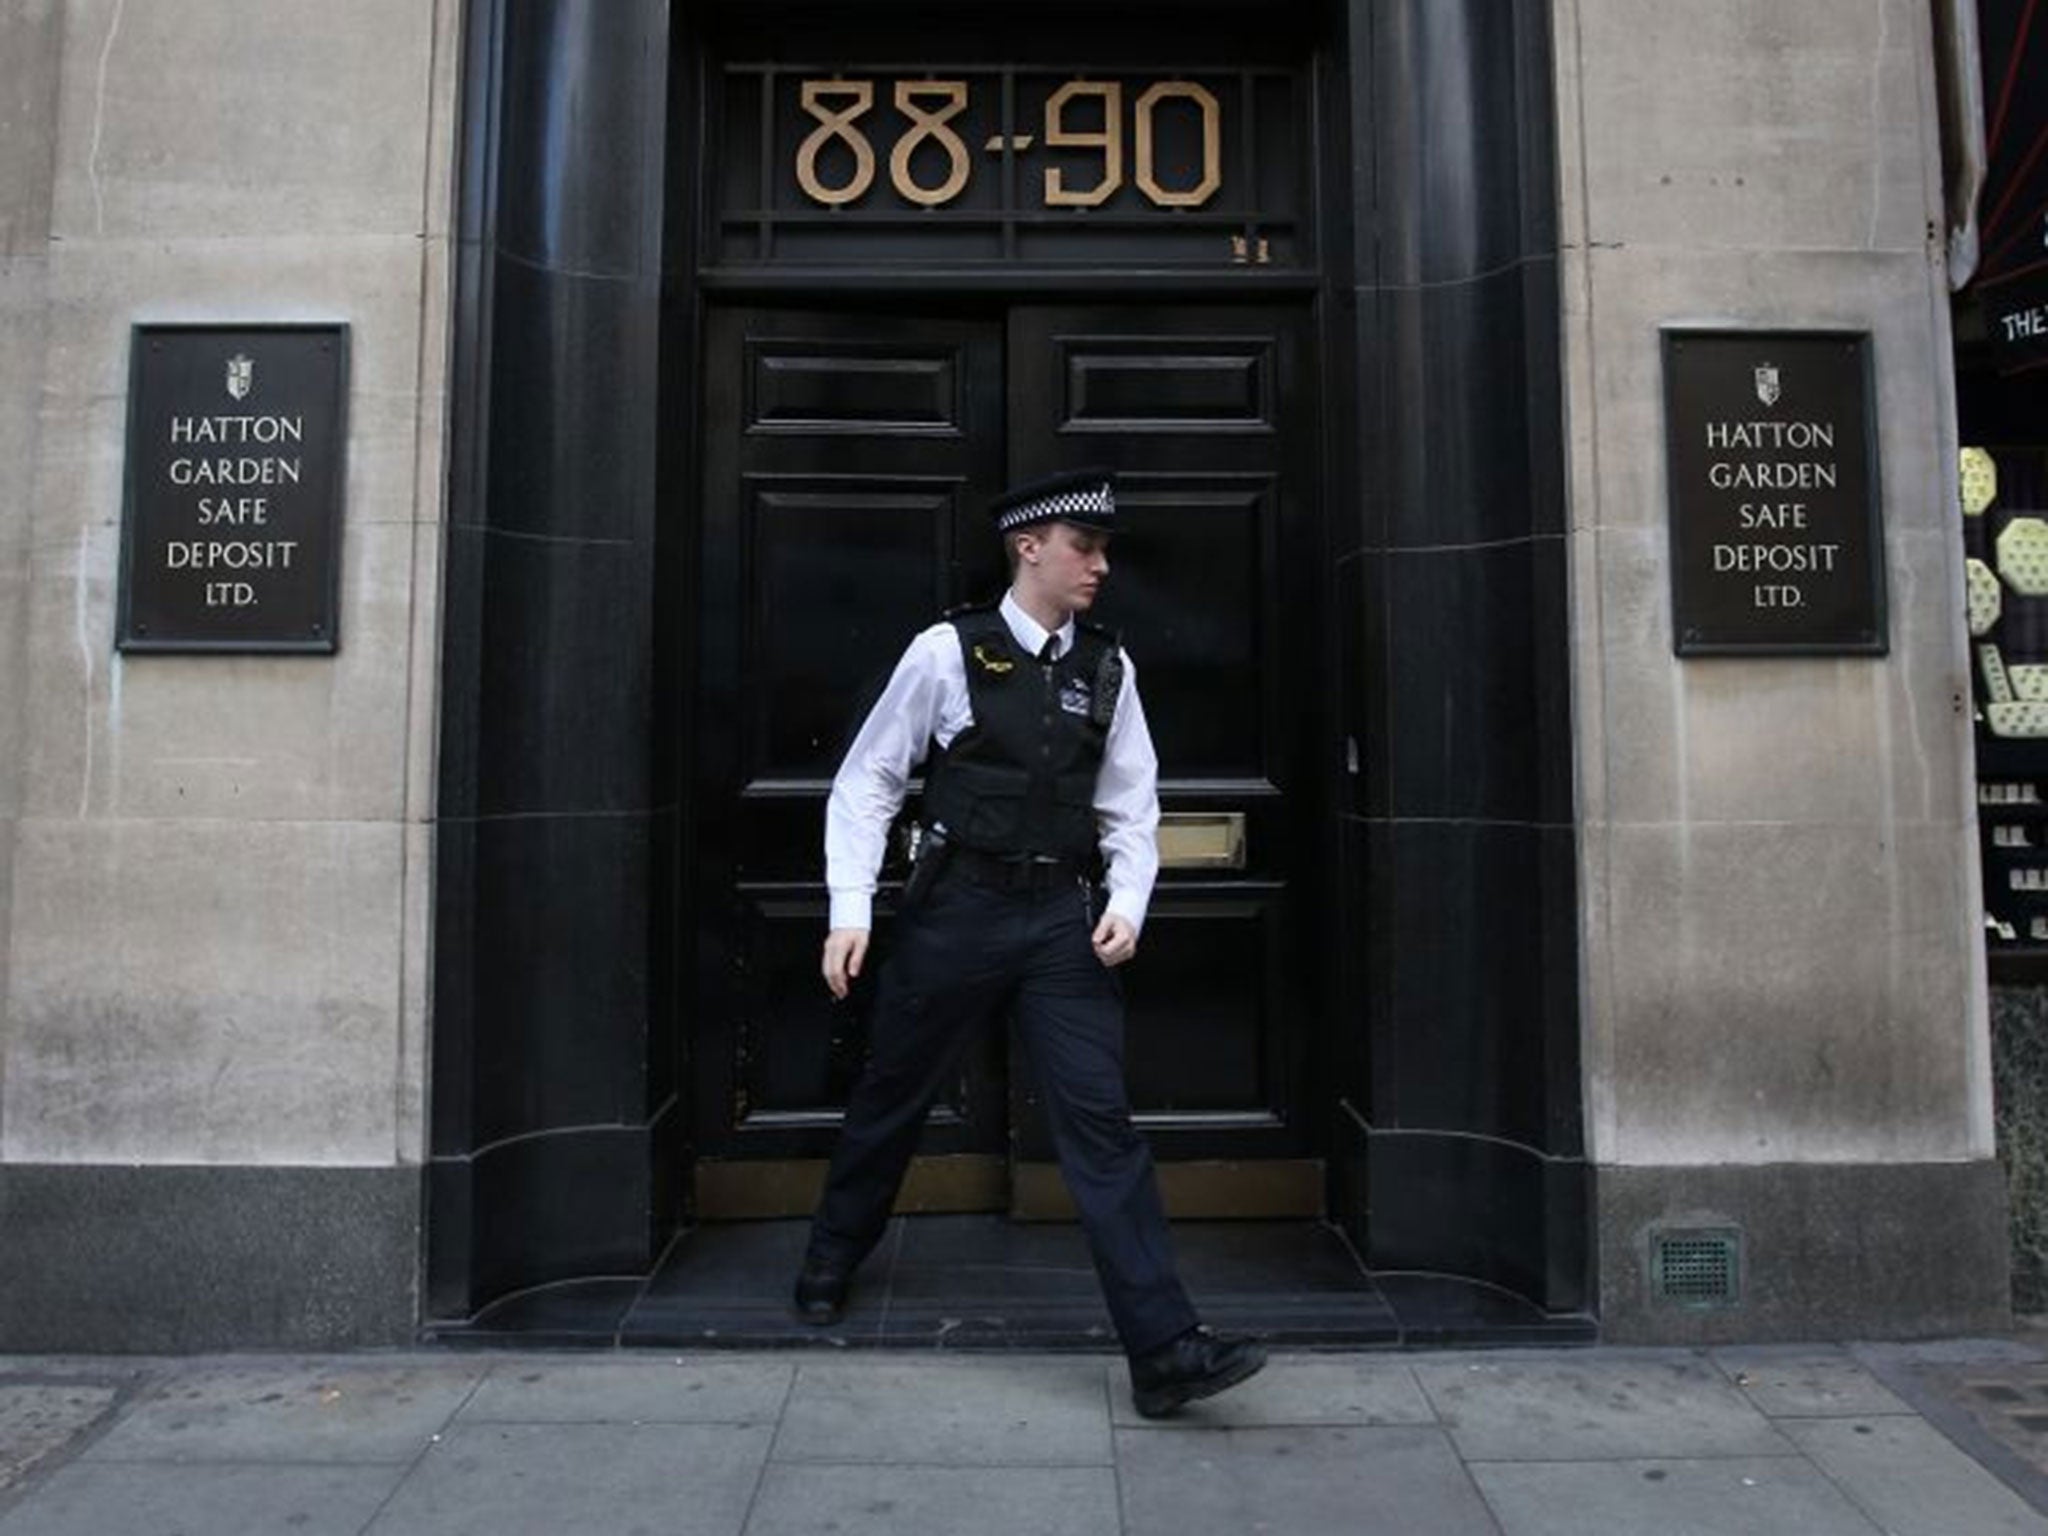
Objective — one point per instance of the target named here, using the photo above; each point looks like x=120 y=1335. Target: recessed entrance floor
x=984 y=1282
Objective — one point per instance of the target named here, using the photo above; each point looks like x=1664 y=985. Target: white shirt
x=927 y=701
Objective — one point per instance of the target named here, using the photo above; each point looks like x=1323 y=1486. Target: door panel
x=1205 y=414
x=848 y=458
x=1162 y=383
x=809 y=543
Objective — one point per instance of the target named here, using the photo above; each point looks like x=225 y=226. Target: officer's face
x=1068 y=564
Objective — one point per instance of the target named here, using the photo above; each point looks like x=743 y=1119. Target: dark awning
x=2012 y=209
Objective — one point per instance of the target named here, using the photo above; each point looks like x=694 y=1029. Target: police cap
x=1083 y=496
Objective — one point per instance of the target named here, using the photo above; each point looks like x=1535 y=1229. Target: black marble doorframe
x=559 y=1027
x=1463 y=1100
x=554 y=1120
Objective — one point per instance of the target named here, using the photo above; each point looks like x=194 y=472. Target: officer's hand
x=1115 y=939
x=845 y=948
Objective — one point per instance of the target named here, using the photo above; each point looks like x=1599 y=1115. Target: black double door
x=849 y=455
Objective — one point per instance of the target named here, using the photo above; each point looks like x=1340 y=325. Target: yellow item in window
x=2021 y=719
x=1984 y=600
x=1980 y=481
x=1997 y=686
x=2029 y=682
x=2023 y=556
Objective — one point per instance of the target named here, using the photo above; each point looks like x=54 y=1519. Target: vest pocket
x=993 y=797
x=1073 y=828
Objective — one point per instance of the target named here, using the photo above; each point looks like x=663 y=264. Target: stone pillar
x=1466 y=1102
x=212 y=1061
x=31 y=43
x=557 y=830
x=1786 y=1027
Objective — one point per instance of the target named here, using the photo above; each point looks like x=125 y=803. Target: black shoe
x=820 y=1292
x=1197 y=1364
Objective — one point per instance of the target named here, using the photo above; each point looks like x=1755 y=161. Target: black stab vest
x=1021 y=778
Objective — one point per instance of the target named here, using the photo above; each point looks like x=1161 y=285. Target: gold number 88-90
x=931 y=105
x=1212 y=144
x=952 y=95
x=836 y=125
x=1109 y=139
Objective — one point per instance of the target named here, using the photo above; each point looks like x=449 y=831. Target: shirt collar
x=1027 y=630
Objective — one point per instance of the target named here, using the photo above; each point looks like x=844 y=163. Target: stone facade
x=1781 y=910
x=216 y=884
x=217 y=916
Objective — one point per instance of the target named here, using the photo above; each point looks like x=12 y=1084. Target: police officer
x=1037 y=758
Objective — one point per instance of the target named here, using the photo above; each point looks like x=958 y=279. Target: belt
x=1015 y=871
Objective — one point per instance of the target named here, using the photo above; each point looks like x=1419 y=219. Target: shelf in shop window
x=2007 y=854
x=2019 y=963
x=2026 y=813
x=2029 y=817
x=2011 y=757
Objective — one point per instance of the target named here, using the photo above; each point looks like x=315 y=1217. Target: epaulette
x=962 y=610
x=1099 y=631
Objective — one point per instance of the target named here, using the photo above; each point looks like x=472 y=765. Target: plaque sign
x=1777 y=543
x=231 y=533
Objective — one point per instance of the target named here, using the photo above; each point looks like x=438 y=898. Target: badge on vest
x=1109 y=686
x=993 y=662
x=1076 y=697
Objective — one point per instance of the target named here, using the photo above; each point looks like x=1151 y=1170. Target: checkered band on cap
x=1085 y=496
x=1086 y=505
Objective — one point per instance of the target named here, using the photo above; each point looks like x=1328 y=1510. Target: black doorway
x=849 y=457
x=567 y=1031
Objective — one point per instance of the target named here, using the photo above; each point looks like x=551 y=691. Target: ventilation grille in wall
x=1696 y=1266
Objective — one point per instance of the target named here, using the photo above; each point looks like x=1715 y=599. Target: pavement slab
x=668 y=1389
x=334 y=1410
x=1805 y=1383
x=1302 y=1390
x=1817 y=1440
x=1399 y=1480
x=39 y=1419
x=1619 y=1407
x=581 y=1480
x=1979 y=1393
x=1944 y=1352
x=2007 y=1402
x=981 y=1411
x=880 y=1500
x=1912 y=1481
x=142 y=1499
x=1764 y=1496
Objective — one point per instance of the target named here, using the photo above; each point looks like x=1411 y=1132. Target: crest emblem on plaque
x=241 y=375
x=1767 y=385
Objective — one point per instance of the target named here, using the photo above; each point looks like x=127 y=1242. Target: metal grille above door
x=1194 y=167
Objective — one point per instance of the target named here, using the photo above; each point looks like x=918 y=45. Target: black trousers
x=967 y=952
